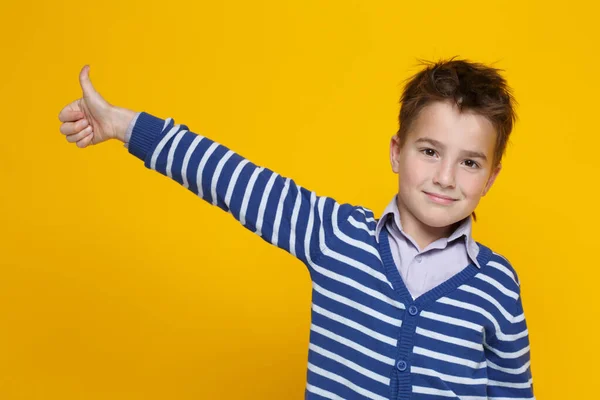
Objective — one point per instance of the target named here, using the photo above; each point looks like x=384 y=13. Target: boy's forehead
x=443 y=122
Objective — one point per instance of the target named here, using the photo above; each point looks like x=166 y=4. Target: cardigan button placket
x=405 y=344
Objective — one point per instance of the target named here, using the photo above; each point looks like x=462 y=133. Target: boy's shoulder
x=498 y=270
x=357 y=215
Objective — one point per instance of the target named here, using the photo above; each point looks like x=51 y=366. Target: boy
x=407 y=306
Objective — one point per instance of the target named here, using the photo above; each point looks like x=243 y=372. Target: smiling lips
x=440 y=199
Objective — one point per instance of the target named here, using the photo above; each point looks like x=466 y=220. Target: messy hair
x=471 y=86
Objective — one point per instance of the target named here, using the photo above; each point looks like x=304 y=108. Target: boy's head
x=455 y=120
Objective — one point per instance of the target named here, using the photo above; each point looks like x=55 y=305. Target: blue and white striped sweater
x=465 y=339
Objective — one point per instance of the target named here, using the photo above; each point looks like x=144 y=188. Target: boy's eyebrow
x=436 y=143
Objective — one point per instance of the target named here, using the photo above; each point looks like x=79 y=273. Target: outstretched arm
x=274 y=207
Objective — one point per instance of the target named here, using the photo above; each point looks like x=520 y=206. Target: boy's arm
x=508 y=358
x=274 y=207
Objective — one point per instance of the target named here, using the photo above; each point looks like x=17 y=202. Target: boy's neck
x=423 y=234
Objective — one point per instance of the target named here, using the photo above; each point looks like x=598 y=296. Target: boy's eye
x=428 y=152
x=471 y=164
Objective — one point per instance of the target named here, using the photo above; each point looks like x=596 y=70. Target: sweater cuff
x=130 y=130
x=147 y=129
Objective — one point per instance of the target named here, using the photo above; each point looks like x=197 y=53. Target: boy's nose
x=444 y=175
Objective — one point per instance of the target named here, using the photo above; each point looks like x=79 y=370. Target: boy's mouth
x=441 y=199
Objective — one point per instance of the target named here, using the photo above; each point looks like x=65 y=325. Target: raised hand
x=91 y=119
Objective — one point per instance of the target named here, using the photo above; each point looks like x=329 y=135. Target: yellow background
x=117 y=283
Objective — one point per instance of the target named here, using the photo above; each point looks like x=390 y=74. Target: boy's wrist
x=122 y=118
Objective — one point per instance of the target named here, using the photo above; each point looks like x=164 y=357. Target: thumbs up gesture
x=91 y=119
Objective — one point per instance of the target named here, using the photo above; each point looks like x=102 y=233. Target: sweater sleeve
x=508 y=357
x=277 y=209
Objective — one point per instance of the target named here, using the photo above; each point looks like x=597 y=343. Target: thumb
x=89 y=92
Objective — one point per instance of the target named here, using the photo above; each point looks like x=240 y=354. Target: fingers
x=85 y=141
x=70 y=128
x=68 y=114
x=76 y=137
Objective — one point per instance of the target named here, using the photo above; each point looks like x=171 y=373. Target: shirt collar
x=391 y=211
x=464 y=229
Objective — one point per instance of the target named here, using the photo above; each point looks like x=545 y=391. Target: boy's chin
x=440 y=219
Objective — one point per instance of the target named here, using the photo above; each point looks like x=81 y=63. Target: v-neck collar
x=433 y=294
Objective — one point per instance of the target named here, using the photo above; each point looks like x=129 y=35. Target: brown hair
x=471 y=86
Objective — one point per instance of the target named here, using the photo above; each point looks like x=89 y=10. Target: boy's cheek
x=473 y=189
x=415 y=172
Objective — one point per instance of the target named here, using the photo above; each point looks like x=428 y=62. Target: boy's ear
x=492 y=179
x=394 y=153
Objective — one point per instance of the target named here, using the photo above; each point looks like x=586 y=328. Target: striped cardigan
x=465 y=339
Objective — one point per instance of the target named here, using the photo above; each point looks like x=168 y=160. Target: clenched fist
x=91 y=119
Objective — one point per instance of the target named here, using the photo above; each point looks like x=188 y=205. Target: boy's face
x=448 y=154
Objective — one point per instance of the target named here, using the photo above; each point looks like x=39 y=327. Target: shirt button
x=413 y=310
x=401 y=365
x=418 y=259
